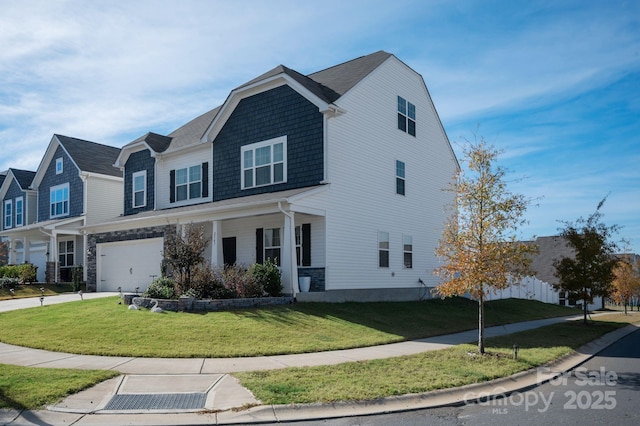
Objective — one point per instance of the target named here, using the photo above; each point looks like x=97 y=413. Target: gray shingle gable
x=23 y=177
x=341 y=78
x=91 y=156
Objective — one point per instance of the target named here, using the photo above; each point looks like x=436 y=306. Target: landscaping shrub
x=76 y=278
x=267 y=275
x=244 y=284
x=9 y=282
x=209 y=283
x=161 y=288
x=26 y=272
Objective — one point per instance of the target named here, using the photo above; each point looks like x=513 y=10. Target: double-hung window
x=272 y=244
x=400 y=177
x=383 y=249
x=406 y=116
x=59 y=201
x=8 y=214
x=189 y=183
x=264 y=163
x=407 y=250
x=66 y=253
x=19 y=211
x=139 y=186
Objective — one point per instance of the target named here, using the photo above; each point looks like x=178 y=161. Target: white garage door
x=128 y=264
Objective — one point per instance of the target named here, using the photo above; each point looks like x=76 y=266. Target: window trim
x=19 y=200
x=401 y=178
x=55 y=189
x=7 y=215
x=383 y=237
x=406 y=116
x=66 y=252
x=135 y=175
x=406 y=252
x=188 y=183
x=272 y=163
x=265 y=247
x=59 y=166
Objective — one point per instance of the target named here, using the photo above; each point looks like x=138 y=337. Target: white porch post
x=12 y=251
x=216 y=244
x=53 y=254
x=27 y=249
x=288 y=253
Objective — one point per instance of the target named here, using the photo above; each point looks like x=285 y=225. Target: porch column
x=216 y=244
x=26 y=243
x=11 y=255
x=288 y=262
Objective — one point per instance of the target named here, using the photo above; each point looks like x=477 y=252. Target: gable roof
x=23 y=177
x=192 y=131
x=343 y=77
x=90 y=156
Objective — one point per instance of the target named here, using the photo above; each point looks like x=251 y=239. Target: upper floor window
x=19 y=211
x=59 y=166
x=189 y=183
x=400 y=179
x=407 y=250
x=264 y=163
x=8 y=214
x=406 y=116
x=139 y=185
x=383 y=249
x=59 y=200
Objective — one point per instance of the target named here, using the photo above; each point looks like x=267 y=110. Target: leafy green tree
x=590 y=272
x=478 y=247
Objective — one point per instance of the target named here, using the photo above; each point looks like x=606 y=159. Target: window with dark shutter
x=172 y=186
x=260 y=245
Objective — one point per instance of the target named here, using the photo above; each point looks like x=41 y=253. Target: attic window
x=59 y=166
x=406 y=116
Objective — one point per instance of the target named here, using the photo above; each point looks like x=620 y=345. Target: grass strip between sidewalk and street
x=441 y=369
x=105 y=327
x=32 y=388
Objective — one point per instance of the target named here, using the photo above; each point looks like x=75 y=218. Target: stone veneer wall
x=117 y=236
x=189 y=304
x=317 y=278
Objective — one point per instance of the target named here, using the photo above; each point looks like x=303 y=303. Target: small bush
x=26 y=272
x=268 y=277
x=209 y=283
x=237 y=279
x=161 y=288
x=9 y=282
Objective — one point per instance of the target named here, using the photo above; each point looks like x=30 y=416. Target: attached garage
x=128 y=264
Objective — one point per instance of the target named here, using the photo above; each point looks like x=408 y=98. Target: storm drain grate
x=165 y=401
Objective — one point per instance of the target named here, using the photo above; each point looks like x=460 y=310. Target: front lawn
x=34 y=290
x=105 y=327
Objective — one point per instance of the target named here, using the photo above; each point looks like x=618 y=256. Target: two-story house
x=75 y=185
x=337 y=174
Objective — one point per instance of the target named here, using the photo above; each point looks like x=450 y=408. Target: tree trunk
x=481 y=325
x=584 y=309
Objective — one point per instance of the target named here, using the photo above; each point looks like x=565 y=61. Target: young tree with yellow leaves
x=478 y=248
x=626 y=281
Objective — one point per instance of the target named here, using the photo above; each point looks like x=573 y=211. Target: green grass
x=32 y=388
x=105 y=327
x=33 y=290
x=441 y=369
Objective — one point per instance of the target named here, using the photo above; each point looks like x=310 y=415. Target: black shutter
x=306 y=244
x=260 y=245
x=172 y=186
x=205 y=180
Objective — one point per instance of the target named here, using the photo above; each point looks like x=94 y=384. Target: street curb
x=477 y=392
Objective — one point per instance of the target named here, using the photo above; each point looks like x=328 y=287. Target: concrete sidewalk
x=200 y=391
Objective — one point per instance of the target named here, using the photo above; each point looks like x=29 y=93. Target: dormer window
x=59 y=166
x=59 y=201
x=264 y=163
x=406 y=116
x=189 y=183
x=139 y=184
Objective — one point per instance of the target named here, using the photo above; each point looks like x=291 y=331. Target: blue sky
x=556 y=84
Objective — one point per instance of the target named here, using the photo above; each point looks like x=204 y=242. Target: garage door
x=128 y=264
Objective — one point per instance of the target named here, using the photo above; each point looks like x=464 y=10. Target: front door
x=229 y=250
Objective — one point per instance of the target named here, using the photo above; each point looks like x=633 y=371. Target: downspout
x=293 y=272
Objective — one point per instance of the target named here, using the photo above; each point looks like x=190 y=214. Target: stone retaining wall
x=189 y=304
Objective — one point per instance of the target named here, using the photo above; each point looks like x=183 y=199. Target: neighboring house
x=75 y=185
x=19 y=209
x=540 y=286
x=337 y=174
